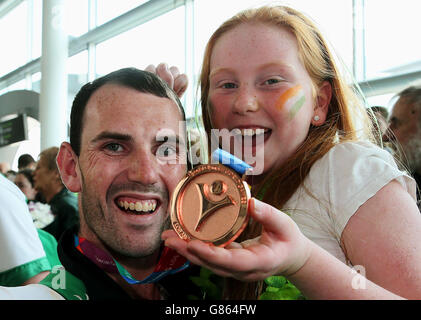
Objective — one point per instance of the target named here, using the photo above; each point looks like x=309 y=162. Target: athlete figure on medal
x=331 y=202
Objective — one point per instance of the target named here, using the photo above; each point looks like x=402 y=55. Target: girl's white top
x=337 y=185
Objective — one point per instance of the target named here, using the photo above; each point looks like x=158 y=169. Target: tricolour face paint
x=296 y=106
x=294 y=96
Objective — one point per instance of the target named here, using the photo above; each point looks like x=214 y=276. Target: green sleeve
x=65 y=284
x=18 y=275
x=49 y=243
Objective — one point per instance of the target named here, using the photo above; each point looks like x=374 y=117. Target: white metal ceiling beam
x=8 y=5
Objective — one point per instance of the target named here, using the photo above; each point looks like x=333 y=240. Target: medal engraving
x=207 y=206
x=210 y=204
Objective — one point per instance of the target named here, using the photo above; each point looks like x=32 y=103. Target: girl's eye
x=228 y=85
x=272 y=81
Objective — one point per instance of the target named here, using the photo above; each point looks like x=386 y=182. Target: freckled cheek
x=278 y=116
x=219 y=107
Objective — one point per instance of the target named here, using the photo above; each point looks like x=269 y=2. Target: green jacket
x=65 y=209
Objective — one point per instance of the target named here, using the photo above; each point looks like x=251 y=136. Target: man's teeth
x=140 y=206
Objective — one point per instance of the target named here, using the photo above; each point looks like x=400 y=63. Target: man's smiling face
x=125 y=172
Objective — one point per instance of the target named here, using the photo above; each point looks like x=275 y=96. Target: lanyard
x=170 y=262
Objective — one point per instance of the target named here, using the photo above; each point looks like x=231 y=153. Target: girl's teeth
x=248 y=132
x=252 y=132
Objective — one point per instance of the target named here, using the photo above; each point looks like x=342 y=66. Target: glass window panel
x=384 y=100
x=392 y=39
x=334 y=19
x=76 y=16
x=36 y=82
x=150 y=43
x=110 y=9
x=13 y=37
x=78 y=64
x=77 y=67
x=37 y=29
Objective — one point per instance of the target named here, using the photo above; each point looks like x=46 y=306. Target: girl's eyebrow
x=284 y=66
x=220 y=70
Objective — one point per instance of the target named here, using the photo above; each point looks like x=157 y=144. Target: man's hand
x=176 y=81
x=281 y=249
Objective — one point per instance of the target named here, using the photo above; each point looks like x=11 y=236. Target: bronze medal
x=210 y=204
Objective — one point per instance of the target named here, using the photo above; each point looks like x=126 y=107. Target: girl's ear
x=322 y=104
x=68 y=166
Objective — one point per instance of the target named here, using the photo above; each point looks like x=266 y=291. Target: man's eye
x=166 y=150
x=114 y=147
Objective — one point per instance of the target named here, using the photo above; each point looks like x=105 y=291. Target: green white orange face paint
x=293 y=99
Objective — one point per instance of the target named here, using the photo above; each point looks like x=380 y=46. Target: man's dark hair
x=139 y=80
x=25 y=160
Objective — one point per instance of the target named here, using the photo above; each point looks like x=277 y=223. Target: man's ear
x=322 y=103
x=68 y=166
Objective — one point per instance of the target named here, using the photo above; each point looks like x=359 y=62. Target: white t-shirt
x=340 y=182
x=19 y=241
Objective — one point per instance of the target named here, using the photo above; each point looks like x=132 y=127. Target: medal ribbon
x=170 y=262
x=231 y=161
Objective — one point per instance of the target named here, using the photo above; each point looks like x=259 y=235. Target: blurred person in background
x=39 y=210
x=26 y=161
x=63 y=203
x=405 y=131
x=4 y=167
x=11 y=175
x=25 y=182
x=379 y=116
